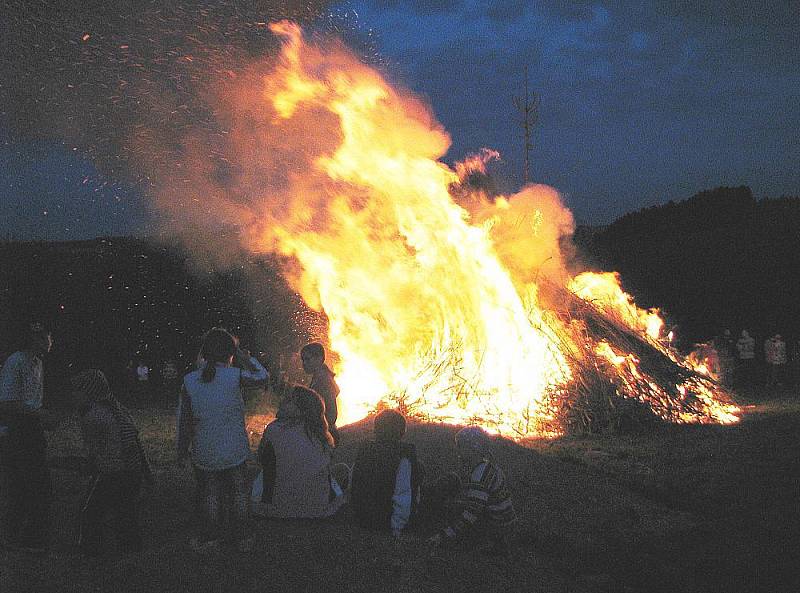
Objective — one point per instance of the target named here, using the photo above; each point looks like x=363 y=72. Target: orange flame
x=432 y=300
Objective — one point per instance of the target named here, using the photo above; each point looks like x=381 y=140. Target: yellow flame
x=603 y=289
x=432 y=291
x=420 y=308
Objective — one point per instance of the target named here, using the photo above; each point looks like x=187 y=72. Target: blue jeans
x=225 y=502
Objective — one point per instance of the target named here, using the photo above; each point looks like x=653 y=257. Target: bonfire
x=448 y=303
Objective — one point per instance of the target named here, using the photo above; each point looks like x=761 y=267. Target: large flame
x=433 y=301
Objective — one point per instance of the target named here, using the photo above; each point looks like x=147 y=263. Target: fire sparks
x=436 y=296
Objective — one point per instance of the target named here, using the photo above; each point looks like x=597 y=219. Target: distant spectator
x=775 y=356
x=725 y=352
x=142 y=381
x=117 y=463
x=386 y=477
x=323 y=382
x=796 y=361
x=169 y=377
x=482 y=513
x=211 y=424
x=746 y=353
x=295 y=454
x=23 y=447
x=142 y=372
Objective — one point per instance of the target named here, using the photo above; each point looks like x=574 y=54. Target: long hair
x=218 y=346
x=311 y=409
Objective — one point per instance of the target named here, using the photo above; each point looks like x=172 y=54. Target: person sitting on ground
x=323 y=382
x=211 y=422
x=295 y=454
x=386 y=477
x=117 y=464
x=482 y=512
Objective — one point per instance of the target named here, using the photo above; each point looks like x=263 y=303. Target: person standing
x=775 y=356
x=211 y=425
x=142 y=381
x=23 y=446
x=323 y=382
x=746 y=351
x=116 y=462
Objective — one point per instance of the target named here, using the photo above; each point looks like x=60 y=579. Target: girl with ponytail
x=211 y=426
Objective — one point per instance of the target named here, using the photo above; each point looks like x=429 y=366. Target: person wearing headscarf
x=116 y=462
x=482 y=511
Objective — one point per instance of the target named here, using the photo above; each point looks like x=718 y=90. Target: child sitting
x=385 y=489
x=298 y=479
x=116 y=462
x=482 y=510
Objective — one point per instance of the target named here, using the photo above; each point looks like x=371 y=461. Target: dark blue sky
x=640 y=103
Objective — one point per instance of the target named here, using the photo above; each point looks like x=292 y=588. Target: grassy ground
x=697 y=509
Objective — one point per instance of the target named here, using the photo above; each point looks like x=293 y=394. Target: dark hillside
x=720 y=259
x=110 y=301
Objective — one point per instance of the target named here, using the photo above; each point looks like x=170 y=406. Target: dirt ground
x=684 y=508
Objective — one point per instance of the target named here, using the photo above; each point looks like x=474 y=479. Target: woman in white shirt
x=211 y=423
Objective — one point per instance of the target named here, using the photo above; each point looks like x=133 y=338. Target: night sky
x=640 y=102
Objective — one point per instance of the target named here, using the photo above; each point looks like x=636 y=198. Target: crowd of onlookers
x=738 y=362
x=386 y=489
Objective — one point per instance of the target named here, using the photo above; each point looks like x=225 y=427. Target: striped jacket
x=484 y=502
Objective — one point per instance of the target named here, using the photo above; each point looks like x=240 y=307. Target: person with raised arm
x=211 y=426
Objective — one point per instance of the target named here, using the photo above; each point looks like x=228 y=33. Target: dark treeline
x=110 y=302
x=720 y=259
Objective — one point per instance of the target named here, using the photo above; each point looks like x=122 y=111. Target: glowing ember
x=433 y=291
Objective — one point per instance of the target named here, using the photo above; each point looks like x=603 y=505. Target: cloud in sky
x=641 y=102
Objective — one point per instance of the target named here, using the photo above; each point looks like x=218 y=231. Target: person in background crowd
x=169 y=377
x=142 y=381
x=295 y=452
x=725 y=347
x=211 y=424
x=117 y=464
x=796 y=362
x=386 y=477
x=323 y=382
x=746 y=352
x=775 y=356
x=23 y=446
x=482 y=512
